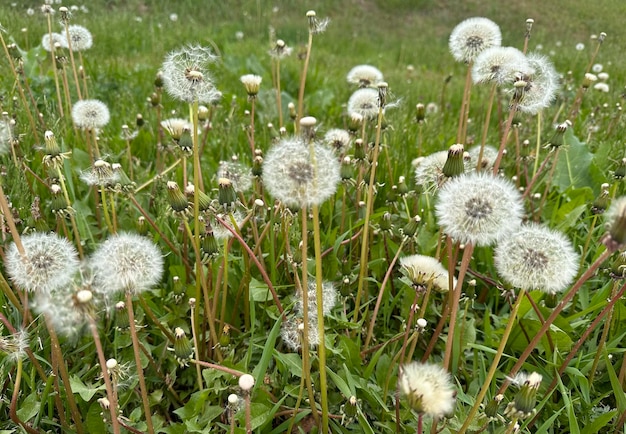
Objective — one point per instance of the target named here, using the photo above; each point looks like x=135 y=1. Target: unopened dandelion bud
x=226 y=194
x=359 y=150
x=383 y=88
x=551 y=300
x=601 y=203
x=615 y=239
x=454 y=165
x=121 y=316
x=620 y=172
x=602 y=37
x=52 y=148
x=349 y=409
x=210 y=248
x=618 y=268
x=347 y=169
x=154 y=99
x=225 y=337
x=186 y=141
x=182 y=347
x=203 y=113
x=523 y=405
x=355 y=120
x=420 y=113
x=492 y=407
x=158 y=80
x=192 y=302
x=292 y=111
x=58 y=205
x=204 y=201
x=588 y=80
x=177 y=200
x=252 y=84
x=141 y=226
x=123 y=184
x=257 y=166
x=246 y=382
x=403 y=188
x=410 y=229
x=385 y=222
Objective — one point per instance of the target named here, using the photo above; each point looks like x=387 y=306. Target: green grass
x=131 y=39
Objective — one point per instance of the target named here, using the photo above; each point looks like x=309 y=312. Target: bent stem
x=142 y=380
x=494 y=363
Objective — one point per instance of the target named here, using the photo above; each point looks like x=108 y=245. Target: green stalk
x=494 y=363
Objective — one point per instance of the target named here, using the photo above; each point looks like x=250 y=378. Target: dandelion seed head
x=540 y=87
x=90 y=113
x=428 y=388
x=472 y=36
x=364 y=76
x=364 y=102
x=602 y=87
x=50 y=41
x=478 y=208
x=499 y=65
x=290 y=176
x=536 y=257
x=49 y=262
x=424 y=271
x=246 y=382
x=238 y=174
x=14 y=345
x=80 y=38
x=186 y=75
x=329 y=298
x=489 y=157
x=337 y=139
x=126 y=262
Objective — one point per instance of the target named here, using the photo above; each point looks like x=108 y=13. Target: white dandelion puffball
x=90 y=113
x=186 y=75
x=49 y=262
x=472 y=36
x=329 y=298
x=364 y=76
x=364 y=102
x=80 y=38
x=541 y=85
x=536 y=257
x=126 y=262
x=292 y=176
x=478 y=208
x=499 y=65
x=428 y=388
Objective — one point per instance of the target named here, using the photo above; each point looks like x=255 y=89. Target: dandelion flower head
x=90 y=113
x=126 y=262
x=540 y=86
x=472 y=36
x=499 y=65
x=424 y=271
x=364 y=76
x=80 y=38
x=296 y=178
x=186 y=75
x=536 y=257
x=49 y=262
x=428 y=388
x=478 y=208
x=364 y=102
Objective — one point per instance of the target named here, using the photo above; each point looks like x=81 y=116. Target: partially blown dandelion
x=423 y=271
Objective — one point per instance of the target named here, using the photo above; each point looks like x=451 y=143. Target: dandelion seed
x=423 y=271
x=90 y=113
x=49 y=262
x=472 y=36
x=478 y=208
x=186 y=75
x=536 y=257
x=428 y=388
x=296 y=178
x=499 y=65
x=364 y=102
x=126 y=262
x=364 y=76
x=79 y=37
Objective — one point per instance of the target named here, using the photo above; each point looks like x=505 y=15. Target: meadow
x=364 y=216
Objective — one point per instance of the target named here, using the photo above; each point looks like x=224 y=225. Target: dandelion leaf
x=573 y=165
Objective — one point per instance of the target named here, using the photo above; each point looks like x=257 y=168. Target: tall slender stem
x=305 y=69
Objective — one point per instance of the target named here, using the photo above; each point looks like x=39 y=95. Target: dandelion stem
x=494 y=363
x=303 y=82
x=505 y=137
x=368 y=212
x=13 y=408
x=142 y=381
x=483 y=139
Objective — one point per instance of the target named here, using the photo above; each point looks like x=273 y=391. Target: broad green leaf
x=259 y=291
x=85 y=391
x=572 y=168
x=29 y=407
